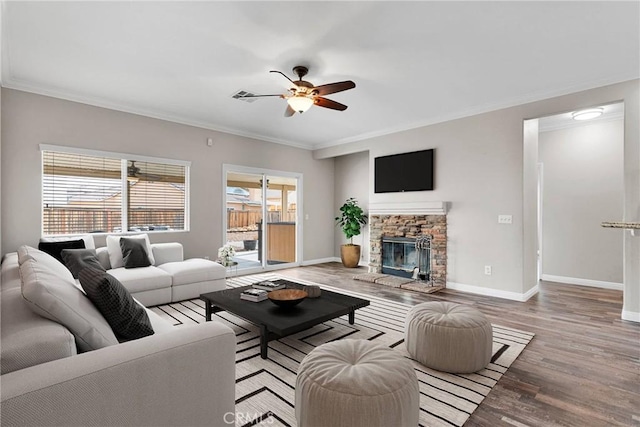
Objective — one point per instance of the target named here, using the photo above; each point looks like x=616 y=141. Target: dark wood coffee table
x=276 y=322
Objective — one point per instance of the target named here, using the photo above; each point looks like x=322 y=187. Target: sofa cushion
x=78 y=259
x=58 y=299
x=141 y=279
x=167 y=252
x=103 y=257
x=27 y=338
x=128 y=320
x=115 y=252
x=55 y=248
x=193 y=271
x=134 y=253
x=26 y=253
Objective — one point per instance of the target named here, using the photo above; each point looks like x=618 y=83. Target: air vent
x=243 y=95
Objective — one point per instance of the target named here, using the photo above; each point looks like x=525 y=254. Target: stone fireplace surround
x=410 y=220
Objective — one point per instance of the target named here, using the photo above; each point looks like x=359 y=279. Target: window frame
x=124 y=158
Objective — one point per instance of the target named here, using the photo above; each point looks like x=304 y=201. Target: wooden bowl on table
x=287 y=298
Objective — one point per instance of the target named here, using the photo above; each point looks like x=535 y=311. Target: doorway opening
x=580 y=184
x=261 y=217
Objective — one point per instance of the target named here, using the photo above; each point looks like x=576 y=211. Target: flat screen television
x=404 y=172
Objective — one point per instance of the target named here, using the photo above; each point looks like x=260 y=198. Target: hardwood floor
x=581 y=369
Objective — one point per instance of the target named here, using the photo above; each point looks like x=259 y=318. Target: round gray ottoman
x=449 y=337
x=356 y=383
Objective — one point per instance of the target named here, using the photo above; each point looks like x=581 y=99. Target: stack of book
x=268 y=286
x=254 y=295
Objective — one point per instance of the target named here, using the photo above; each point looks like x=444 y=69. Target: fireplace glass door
x=399 y=256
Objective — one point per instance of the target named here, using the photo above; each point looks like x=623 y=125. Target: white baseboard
x=631 y=316
x=479 y=290
x=320 y=261
x=583 y=282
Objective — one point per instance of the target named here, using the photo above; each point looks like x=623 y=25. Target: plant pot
x=350 y=255
x=249 y=245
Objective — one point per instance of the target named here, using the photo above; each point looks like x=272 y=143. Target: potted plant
x=350 y=221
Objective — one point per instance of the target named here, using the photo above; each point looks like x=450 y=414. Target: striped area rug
x=265 y=388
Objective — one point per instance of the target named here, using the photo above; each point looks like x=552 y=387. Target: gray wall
x=29 y=119
x=480 y=170
x=352 y=180
x=1 y=171
x=583 y=186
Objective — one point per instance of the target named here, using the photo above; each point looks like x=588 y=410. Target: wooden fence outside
x=87 y=220
x=241 y=219
x=91 y=220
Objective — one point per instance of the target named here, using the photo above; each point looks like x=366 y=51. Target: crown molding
x=484 y=108
x=7 y=81
x=100 y=102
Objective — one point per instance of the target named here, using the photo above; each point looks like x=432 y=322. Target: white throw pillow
x=89 y=243
x=56 y=297
x=115 y=252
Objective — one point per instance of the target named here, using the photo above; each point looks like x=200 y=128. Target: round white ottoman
x=356 y=383
x=449 y=337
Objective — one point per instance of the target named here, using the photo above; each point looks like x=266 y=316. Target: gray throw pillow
x=134 y=253
x=78 y=259
x=128 y=320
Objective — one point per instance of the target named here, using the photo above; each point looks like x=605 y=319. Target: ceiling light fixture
x=300 y=103
x=588 y=114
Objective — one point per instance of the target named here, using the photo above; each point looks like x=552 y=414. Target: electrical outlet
x=487 y=270
x=505 y=219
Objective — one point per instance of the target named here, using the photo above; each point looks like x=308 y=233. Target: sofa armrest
x=167 y=252
x=182 y=377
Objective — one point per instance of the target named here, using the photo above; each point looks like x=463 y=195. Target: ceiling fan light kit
x=300 y=103
x=304 y=94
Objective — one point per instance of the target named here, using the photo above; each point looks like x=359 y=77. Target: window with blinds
x=156 y=196
x=96 y=194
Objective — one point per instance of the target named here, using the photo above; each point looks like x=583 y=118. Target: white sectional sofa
x=170 y=279
x=180 y=375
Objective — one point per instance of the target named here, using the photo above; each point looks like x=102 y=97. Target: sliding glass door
x=261 y=218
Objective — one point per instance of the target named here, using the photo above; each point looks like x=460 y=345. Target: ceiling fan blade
x=289 y=111
x=327 y=103
x=334 y=87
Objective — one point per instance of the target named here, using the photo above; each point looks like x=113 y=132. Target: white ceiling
x=414 y=63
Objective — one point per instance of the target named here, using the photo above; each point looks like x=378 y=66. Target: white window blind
x=84 y=193
x=156 y=196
